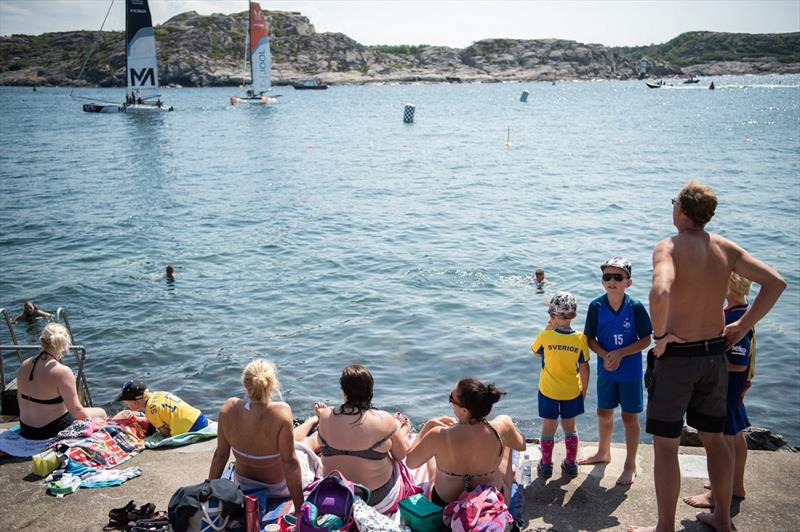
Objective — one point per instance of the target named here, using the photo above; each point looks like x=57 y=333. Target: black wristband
x=660 y=337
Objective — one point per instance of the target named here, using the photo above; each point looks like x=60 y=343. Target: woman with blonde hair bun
x=46 y=389
x=259 y=433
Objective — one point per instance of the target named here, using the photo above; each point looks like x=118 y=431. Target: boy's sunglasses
x=618 y=277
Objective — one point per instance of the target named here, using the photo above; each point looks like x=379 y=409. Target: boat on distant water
x=654 y=84
x=260 y=59
x=691 y=80
x=141 y=66
x=310 y=85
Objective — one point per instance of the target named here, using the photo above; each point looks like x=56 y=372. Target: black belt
x=715 y=346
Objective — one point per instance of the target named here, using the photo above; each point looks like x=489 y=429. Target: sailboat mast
x=246 y=47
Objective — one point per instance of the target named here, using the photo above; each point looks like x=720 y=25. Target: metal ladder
x=78 y=350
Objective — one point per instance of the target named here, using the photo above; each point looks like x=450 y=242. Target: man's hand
x=733 y=332
x=661 y=345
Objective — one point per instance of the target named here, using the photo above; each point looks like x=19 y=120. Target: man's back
x=703 y=263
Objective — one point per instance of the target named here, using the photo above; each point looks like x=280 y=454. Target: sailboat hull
x=262 y=100
x=102 y=108
x=147 y=108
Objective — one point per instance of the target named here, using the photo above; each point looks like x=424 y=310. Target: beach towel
x=15 y=445
x=159 y=440
x=404 y=487
x=482 y=509
x=103 y=443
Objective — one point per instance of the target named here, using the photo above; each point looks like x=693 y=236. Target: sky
x=456 y=23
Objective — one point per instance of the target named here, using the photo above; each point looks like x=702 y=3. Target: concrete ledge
x=592 y=501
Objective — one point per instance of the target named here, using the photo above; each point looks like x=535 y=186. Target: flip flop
x=120 y=515
x=145 y=511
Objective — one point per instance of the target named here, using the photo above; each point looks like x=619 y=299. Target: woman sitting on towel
x=366 y=445
x=46 y=390
x=259 y=433
x=467 y=450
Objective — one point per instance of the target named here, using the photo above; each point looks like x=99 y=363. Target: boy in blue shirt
x=618 y=328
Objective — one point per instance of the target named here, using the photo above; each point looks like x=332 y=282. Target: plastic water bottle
x=526 y=469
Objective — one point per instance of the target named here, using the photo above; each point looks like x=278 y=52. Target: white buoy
x=523 y=97
x=408 y=114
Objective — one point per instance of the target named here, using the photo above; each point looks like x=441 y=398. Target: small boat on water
x=691 y=80
x=260 y=60
x=141 y=68
x=654 y=84
x=310 y=85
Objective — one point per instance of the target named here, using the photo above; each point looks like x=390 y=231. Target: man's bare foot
x=627 y=477
x=704 y=500
x=596 y=458
x=641 y=529
x=708 y=519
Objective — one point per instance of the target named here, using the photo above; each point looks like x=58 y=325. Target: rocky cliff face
x=201 y=51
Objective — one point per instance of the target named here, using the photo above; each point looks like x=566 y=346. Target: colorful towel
x=159 y=440
x=15 y=445
x=482 y=509
x=103 y=443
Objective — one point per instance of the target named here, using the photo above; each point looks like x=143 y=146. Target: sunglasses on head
x=452 y=400
x=618 y=277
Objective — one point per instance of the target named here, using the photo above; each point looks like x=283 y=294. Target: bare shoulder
x=282 y=410
x=502 y=422
x=229 y=404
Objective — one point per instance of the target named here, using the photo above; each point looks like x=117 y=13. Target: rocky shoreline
x=757 y=438
x=206 y=51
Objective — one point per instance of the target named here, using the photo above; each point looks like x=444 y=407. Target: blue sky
x=452 y=22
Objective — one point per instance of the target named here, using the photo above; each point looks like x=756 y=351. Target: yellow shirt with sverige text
x=561 y=353
x=163 y=408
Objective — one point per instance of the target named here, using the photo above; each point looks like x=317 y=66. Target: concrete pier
x=591 y=501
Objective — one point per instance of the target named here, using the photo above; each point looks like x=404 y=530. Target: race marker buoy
x=523 y=97
x=508 y=138
x=408 y=114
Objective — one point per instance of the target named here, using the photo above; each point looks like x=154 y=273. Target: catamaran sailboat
x=260 y=60
x=141 y=69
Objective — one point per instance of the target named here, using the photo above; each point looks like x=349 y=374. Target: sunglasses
x=618 y=277
x=452 y=400
x=674 y=201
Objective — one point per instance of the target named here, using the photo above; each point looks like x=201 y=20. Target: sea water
x=322 y=231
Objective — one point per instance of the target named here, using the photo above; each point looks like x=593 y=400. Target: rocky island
x=202 y=51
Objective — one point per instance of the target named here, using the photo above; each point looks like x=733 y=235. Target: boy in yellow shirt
x=562 y=382
x=167 y=413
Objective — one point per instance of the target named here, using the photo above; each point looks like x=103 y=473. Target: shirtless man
x=690 y=278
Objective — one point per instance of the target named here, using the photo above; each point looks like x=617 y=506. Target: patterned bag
x=368 y=519
x=330 y=496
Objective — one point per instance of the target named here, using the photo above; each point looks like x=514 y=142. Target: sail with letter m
x=142 y=68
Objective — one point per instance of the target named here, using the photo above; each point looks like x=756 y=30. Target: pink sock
x=546 y=444
x=571 y=443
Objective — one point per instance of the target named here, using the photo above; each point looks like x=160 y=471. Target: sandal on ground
x=120 y=515
x=145 y=511
x=158 y=519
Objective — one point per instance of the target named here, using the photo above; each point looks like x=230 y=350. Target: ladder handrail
x=9 y=323
x=62 y=312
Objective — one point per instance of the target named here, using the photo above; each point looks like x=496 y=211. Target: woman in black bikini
x=365 y=444
x=467 y=450
x=46 y=391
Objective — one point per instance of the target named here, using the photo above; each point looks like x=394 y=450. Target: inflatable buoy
x=711 y=87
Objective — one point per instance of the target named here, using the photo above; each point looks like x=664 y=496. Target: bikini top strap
x=40 y=356
x=379 y=442
x=502 y=445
